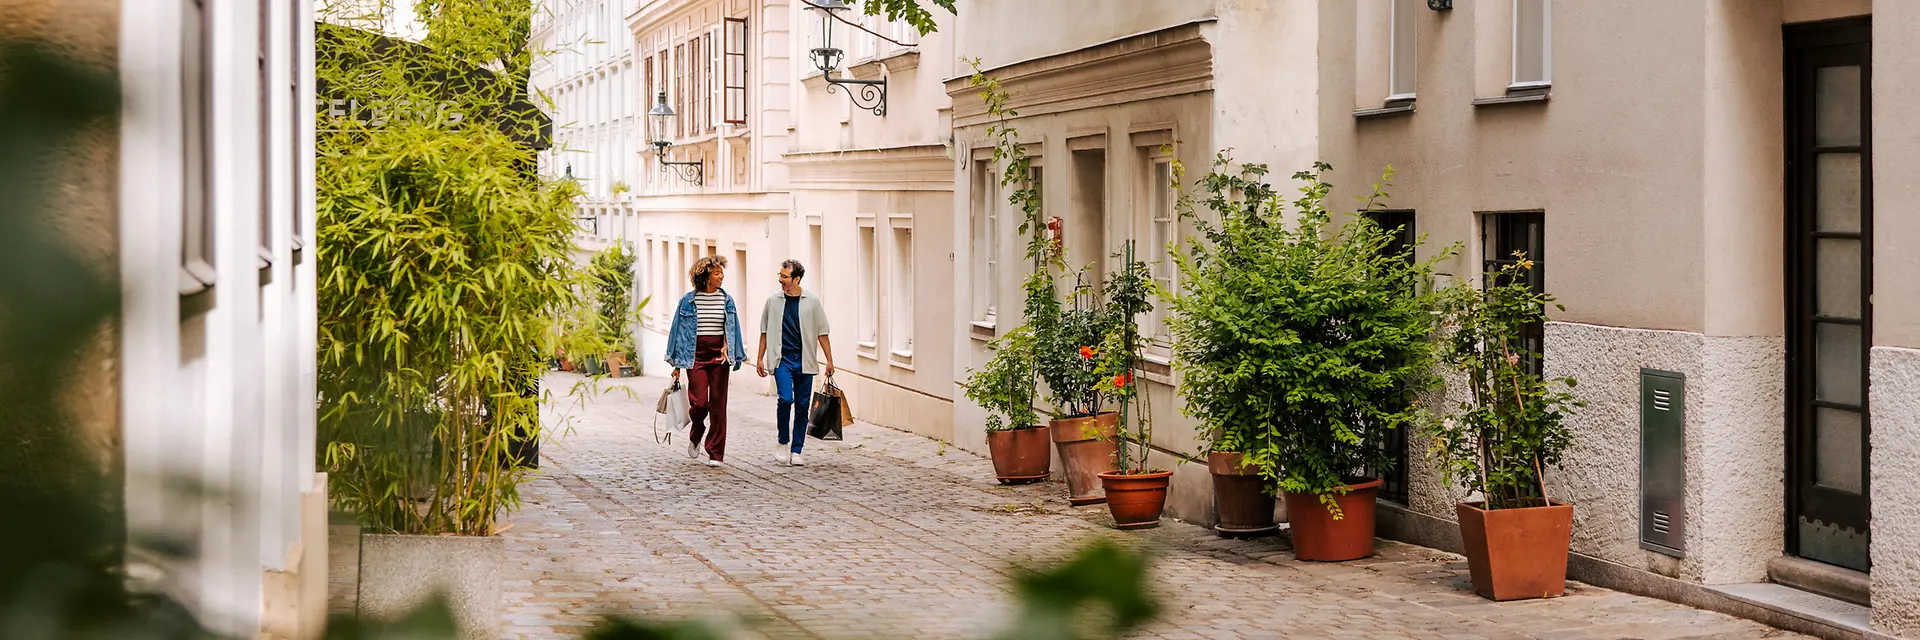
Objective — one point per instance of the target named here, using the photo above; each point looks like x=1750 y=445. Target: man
x=795 y=320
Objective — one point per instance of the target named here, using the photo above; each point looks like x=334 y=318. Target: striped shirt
x=711 y=308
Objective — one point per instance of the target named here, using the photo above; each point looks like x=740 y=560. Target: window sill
x=1393 y=108
x=896 y=61
x=901 y=359
x=868 y=350
x=1156 y=367
x=1515 y=96
x=984 y=330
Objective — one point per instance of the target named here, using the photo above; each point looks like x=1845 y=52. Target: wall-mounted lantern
x=866 y=94
x=1440 y=5
x=660 y=119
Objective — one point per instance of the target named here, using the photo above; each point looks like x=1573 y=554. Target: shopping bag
x=673 y=408
x=830 y=413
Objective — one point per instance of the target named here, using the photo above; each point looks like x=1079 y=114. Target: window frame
x=985 y=236
x=1499 y=231
x=198 y=273
x=1409 y=10
x=901 y=295
x=868 y=336
x=1546 y=49
x=1156 y=204
x=734 y=70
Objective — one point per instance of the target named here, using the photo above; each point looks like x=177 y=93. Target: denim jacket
x=686 y=324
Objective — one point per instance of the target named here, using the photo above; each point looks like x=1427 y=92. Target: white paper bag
x=674 y=410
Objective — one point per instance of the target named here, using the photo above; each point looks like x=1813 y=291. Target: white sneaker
x=693 y=449
x=783 y=458
x=713 y=463
x=797 y=461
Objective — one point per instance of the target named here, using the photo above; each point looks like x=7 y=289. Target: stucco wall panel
x=1895 y=397
x=1896 y=232
x=1001 y=32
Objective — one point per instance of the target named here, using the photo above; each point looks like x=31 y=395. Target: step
x=1841 y=618
x=1822 y=578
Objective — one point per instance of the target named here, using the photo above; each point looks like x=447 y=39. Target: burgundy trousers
x=707 y=393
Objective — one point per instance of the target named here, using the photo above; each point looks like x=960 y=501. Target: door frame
x=1804 y=46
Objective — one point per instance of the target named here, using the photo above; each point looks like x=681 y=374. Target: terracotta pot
x=1020 y=456
x=1516 y=554
x=615 y=360
x=1241 y=498
x=1136 y=499
x=1320 y=538
x=1087 y=449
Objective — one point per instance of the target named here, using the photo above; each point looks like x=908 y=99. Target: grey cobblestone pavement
x=892 y=535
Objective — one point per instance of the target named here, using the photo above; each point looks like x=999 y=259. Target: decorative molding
x=1169 y=62
x=917 y=168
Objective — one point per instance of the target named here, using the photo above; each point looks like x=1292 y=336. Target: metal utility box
x=1663 y=462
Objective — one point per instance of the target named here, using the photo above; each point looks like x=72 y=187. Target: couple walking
x=705 y=341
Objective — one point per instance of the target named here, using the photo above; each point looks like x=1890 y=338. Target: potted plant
x=1301 y=344
x=1005 y=388
x=1500 y=443
x=1063 y=339
x=1136 y=493
x=612 y=295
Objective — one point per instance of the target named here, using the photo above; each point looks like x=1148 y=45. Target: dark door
x=1829 y=253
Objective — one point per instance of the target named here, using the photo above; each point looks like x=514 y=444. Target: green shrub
x=1301 y=344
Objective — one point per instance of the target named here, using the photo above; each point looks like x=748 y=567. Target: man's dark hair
x=794 y=269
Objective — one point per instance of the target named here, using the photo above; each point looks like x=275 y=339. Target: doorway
x=1829 y=258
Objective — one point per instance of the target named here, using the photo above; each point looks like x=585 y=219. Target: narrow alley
x=891 y=535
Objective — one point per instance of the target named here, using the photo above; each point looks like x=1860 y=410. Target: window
x=900 y=297
x=1501 y=236
x=1532 y=43
x=869 y=286
x=679 y=90
x=1393 y=484
x=987 y=202
x=698 y=117
x=735 y=71
x=816 y=253
x=1401 y=47
x=263 y=58
x=196 y=227
x=1162 y=232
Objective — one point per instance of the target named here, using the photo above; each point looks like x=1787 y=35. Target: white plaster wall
x=1734 y=444
x=1002 y=32
x=1894 y=394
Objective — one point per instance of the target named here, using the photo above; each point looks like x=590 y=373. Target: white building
x=215 y=347
x=584 y=74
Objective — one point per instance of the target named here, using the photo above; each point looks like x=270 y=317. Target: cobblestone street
x=891 y=535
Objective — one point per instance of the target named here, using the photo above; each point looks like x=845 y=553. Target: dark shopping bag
x=830 y=413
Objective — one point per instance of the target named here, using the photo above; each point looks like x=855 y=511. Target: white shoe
x=693 y=449
x=783 y=458
x=713 y=463
x=798 y=461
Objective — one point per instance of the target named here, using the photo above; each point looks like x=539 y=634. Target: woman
x=705 y=340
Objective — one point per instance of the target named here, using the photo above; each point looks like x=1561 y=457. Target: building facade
x=872 y=189
x=585 y=72
x=1696 y=178
x=212 y=219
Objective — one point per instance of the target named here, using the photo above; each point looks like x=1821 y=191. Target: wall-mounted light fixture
x=661 y=119
x=866 y=94
x=1440 y=5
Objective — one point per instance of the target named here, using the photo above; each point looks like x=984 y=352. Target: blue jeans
x=796 y=398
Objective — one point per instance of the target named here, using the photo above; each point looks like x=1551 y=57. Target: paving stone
x=892 y=535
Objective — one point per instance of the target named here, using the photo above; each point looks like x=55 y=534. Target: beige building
x=871 y=177
x=1696 y=178
x=197 y=199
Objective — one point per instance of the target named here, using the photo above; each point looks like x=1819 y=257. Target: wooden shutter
x=734 y=65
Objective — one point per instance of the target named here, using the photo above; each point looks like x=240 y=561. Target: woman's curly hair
x=703 y=267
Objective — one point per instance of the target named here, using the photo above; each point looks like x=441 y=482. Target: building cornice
x=1173 y=61
x=915 y=168
x=755 y=203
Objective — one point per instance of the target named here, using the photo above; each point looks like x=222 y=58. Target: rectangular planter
x=1515 y=554
x=400 y=573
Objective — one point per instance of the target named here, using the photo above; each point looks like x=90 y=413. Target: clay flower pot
x=1320 y=538
x=1240 y=496
x=1515 y=554
x=1136 y=499
x=1087 y=449
x=1020 y=456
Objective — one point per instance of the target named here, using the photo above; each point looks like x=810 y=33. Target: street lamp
x=872 y=94
x=661 y=120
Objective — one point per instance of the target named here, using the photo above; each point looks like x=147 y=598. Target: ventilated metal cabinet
x=1663 y=462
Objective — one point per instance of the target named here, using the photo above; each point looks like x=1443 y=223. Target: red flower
x=1086 y=353
x=1123 y=380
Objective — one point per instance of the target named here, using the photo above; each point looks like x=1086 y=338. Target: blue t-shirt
x=790 y=338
